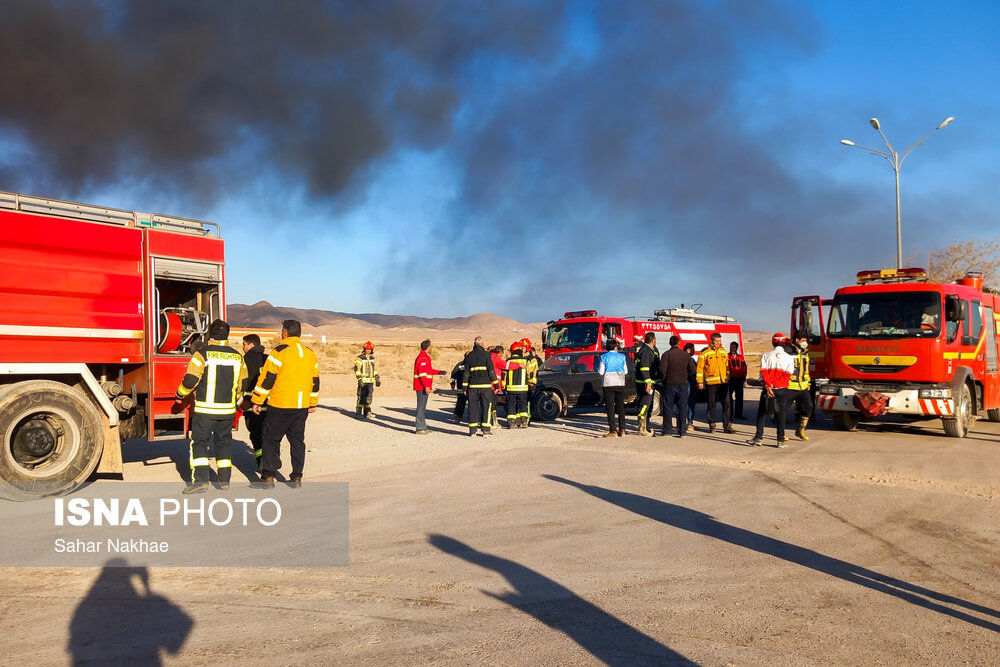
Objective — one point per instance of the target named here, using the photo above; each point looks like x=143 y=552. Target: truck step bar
x=13 y=201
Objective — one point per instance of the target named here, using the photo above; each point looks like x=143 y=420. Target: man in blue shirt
x=613 y=372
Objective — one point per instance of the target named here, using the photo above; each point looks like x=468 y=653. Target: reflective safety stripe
x=421 y=375
x=480 y=386
x=300 y=350
x=258 y=452
x=196 y=361
x=274 y=361
x=200 y=461
x=224 y=410
x=223 y=463
x=183 y=391
x=262 y=392
x=478 y=368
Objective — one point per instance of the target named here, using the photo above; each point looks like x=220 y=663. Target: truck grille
x=872 y=368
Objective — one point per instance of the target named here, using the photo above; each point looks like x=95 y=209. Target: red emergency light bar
x=580 y=313
x=892 y=275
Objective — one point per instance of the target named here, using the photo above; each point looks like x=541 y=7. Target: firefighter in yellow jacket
x=800 y=384
x=289 y=382
x=368 y=378
x=215 y=375
x=712 y=375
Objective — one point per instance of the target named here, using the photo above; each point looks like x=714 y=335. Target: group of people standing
x=720 y=375
x=275 y=392
x=679 y=378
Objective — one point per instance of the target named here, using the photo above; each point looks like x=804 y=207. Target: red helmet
x=516 y=346
x=369 y=346
x=779 y=339
x=525 y=344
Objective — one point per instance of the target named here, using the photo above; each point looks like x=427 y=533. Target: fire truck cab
x=100 y=310
x=585 y=330
x=897 y=344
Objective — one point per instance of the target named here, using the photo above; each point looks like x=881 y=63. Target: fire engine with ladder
x=897 y=344
x=99 y=311
x=585 y=330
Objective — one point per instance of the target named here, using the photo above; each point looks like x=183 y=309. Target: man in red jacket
x=423 y=383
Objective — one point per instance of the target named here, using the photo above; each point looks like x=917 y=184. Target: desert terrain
x=553 y=546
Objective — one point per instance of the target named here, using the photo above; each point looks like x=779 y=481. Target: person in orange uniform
x=289 y=382
x=737 y=379
x=713 y=376
x=423 y=384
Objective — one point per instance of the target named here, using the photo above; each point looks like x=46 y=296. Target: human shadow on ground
x=178 y=450
x=121 y=621
x=374 y=418
x=703 y=524
x=604 y=636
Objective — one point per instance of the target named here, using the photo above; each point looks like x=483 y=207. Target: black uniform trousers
x=736 y=392
x=255 y=425
x=614 y=404
x=280 y=423
x=481 y=408
x=517 y=405
x=366 y=393
x=460 y=405
x=719 y=392
x=780 y=407
x=204 y=430
x=802 y=400
x=644 y=400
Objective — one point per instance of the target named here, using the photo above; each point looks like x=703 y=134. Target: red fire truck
x=897 y=344
x=586 y=330
x=99 y=309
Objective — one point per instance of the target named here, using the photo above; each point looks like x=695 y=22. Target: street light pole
x=895 y=160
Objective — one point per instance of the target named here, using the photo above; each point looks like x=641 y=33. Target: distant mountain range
x=264 y=315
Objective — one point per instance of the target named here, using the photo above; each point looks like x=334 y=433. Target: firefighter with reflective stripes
x=289 y=382
x=254 y=357
x=800 y=384
x=215 y=375
x=645 y=361
x=480 y=381
x=368 y=378
x=533 y=362
x=516 y=381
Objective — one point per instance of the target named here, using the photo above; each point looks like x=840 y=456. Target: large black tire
x=52 y=436
x=846 y=420
x=548 y=406
x=960 y=426
x=993 y=414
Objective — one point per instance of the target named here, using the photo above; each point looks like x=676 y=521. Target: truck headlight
x=829 y=390
x=930 y=392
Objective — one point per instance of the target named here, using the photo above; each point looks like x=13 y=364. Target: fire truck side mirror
x=955 y=308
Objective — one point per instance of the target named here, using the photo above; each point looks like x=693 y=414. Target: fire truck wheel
x=52 y=437
x=993 y=414
x=964 y=418
x=845 y=420
x=548 y=406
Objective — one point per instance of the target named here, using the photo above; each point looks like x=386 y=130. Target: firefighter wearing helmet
x=800 y=384
x=776 y=369
x=366 y=371
x=516 y=382
x=532 y=362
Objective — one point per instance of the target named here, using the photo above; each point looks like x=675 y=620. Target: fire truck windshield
x=886 y=315
x=581 y=335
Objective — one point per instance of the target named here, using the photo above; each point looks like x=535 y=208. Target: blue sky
x=520 y=158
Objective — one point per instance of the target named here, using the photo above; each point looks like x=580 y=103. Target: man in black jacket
x=646 y=363
x=253 y=357
x=457 y=375
x=676 y=366
x=480 y=381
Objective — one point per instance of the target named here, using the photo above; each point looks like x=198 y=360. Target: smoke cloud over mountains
x=594 y=135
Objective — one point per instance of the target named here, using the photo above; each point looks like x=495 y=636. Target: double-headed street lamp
x=896 y=161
